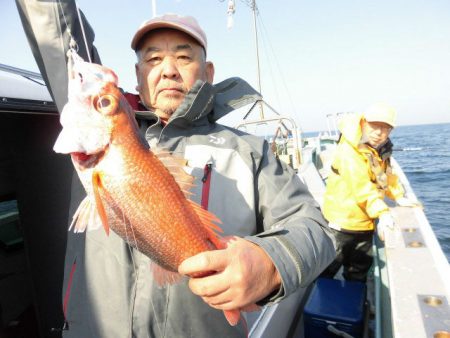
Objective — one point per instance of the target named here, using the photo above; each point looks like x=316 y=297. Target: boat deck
x=411 y=279
x=416 y=275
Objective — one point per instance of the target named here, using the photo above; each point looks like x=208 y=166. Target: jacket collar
x=351 y=129
x=207 y=100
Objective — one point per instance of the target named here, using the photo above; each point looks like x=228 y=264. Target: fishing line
x=124 y=222
x=72 y=43
x=130 y=248
x=83 y=32
x=128 y=239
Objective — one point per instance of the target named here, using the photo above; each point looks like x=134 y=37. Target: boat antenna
x=254 y=9
x=230 y=11
x=154 y=7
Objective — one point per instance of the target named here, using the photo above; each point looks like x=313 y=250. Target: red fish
x=141 y=195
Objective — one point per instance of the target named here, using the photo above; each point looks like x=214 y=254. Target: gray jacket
x=108 y=287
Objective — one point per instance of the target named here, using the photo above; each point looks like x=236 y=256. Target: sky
x=316 y=57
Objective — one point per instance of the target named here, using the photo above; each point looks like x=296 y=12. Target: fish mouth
x=84 y=161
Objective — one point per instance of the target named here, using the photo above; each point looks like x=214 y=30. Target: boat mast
x=261 y=112
x=154 y=7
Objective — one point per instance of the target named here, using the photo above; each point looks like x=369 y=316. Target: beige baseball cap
x=186 y=24
x=381 y=112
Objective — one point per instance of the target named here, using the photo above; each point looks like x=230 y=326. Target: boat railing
x=333 y=122
x=411 y=276
x=285 y=140
x=21 y=72
x=24 y=92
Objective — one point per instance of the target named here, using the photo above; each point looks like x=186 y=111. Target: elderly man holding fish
x=274 y=238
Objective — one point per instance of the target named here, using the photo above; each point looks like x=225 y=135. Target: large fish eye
x=105 y=104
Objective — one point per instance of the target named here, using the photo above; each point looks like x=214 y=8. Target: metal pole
x=261 y=113
x=154 y=7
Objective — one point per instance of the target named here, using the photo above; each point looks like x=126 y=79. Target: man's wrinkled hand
x=385 y=223
x=244 y=274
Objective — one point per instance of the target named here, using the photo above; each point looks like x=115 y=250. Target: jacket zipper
x=69 y=286
x=206 y=179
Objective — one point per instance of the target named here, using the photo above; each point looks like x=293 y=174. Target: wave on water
x=431 y=173
x=409 y=149
x=423 y=152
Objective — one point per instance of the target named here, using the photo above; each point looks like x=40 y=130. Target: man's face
x=169 y=63
x=376 y=132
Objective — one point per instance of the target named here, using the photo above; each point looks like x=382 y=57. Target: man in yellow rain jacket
x=360 y=179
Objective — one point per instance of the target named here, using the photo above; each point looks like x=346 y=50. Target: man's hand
x=244 y=275
x=385 y=221
x=406 y=202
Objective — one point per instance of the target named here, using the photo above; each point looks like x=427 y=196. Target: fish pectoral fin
x=86 y=217
x=97 y=186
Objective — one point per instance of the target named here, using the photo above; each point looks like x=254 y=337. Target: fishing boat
x=408 y=289
x=408 y=292
x=34 y=192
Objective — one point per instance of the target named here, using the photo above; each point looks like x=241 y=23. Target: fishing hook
x=73 y=46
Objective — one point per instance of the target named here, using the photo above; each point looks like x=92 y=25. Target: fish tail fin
x=234 y=317
x=86 y=217
x=163 y=276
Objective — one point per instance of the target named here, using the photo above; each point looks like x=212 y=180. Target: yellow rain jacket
x=359 y=181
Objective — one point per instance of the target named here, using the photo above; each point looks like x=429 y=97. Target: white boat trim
x=418 y=273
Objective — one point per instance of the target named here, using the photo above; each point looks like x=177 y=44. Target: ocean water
x=423 y=152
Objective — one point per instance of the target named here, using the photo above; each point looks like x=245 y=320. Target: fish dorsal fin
x=175 y=166
x=207 y=217
x=208 y=220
